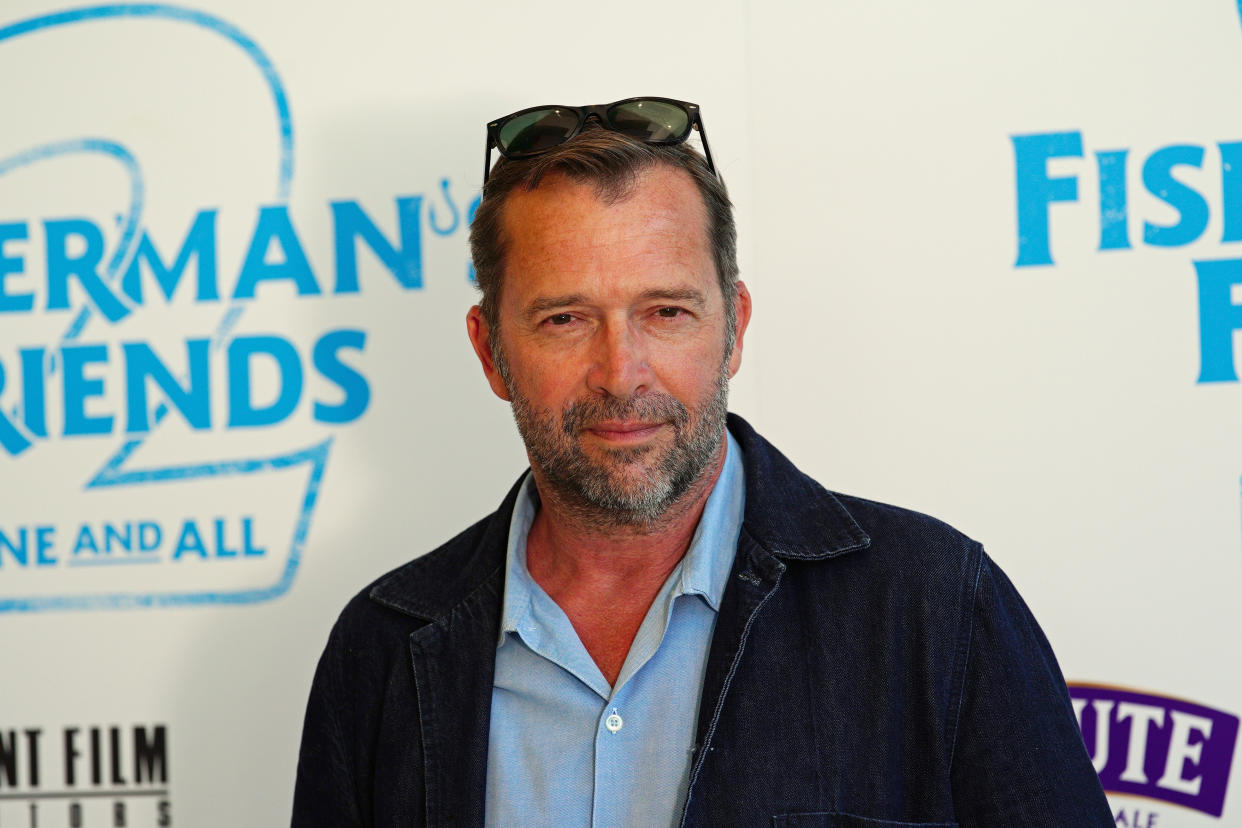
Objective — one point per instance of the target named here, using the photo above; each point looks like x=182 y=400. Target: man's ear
x=479 y=332
x=741 y=304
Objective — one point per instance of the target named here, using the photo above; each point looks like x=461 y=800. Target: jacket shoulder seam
x=958 y=688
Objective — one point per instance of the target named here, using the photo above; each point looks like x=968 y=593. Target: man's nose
x=619 y=366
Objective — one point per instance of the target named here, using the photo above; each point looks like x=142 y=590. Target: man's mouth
x=618 y=431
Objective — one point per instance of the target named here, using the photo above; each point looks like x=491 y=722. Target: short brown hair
x=612 y=162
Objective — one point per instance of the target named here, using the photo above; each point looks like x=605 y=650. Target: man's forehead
x=660 y=193
x=662 y=209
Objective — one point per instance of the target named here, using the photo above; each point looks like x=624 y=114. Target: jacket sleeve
x=1018 y=757
x=326 y=791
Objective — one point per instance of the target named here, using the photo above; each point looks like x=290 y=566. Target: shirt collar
x=518 y=583
x=704 y=570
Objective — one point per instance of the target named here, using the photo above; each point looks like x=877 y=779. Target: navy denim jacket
x=870 y=666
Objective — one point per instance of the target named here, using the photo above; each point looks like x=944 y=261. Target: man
x=665 y=622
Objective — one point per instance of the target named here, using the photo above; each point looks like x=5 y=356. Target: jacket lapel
x=457 y=591
x=454 y=667
x=754 y=578
x=788 y=515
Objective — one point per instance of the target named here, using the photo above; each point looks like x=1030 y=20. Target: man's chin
x=625 y=506
x=618 y=459
x=627 y=480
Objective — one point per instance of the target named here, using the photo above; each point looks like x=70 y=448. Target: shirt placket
x=614 y=752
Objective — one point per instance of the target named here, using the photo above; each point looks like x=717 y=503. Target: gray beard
x=630 y=487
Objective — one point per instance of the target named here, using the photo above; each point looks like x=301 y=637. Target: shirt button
x=613 y=723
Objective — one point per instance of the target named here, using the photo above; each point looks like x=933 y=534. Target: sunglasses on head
x=533 y=131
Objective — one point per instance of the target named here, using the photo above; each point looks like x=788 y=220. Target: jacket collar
x=465 y=571
x=787 y=513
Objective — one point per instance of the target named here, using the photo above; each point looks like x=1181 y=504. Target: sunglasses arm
x=707 y=151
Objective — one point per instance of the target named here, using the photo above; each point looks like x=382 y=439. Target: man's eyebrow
x=543 y=304
x=687 y=295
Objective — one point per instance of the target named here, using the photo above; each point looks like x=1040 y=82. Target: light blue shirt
x=566 y=749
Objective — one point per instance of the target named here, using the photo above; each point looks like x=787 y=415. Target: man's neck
x=605 y=577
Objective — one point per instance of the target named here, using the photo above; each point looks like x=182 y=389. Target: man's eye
x=669 y=313
x=561 y=319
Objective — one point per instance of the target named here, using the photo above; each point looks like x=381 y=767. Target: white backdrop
x=174 y=576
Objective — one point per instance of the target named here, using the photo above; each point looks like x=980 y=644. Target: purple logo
x=1157 y=747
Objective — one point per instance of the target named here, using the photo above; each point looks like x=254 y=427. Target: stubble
x=628 y=486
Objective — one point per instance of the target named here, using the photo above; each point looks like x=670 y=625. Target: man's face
x=612 y=342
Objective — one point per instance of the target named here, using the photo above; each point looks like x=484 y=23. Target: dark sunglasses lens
x=535 y=132
x=651 y=121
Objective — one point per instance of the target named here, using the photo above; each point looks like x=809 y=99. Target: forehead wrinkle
x=657 y=205
x=567 y=241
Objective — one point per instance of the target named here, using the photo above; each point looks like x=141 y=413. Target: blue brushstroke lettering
x=350 y=223
x=188 y=541
x=275 y=226
x=1191 y=207
x=85 y=267
x=199 y=244
x=11 y=266
x=13 y=441
x=357 y=393
x=1219 y=317
x=78 y=389
x=194 y=401
x=1036 y=190
x=242 y=411
x=34 y=403
x=1114 y=229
